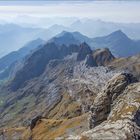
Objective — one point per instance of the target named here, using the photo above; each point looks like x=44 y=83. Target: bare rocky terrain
x=72 y=92
x=115 y=111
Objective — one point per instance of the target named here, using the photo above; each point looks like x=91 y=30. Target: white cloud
x=112 y=11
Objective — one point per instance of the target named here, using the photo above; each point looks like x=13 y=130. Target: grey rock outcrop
x=90 y=61
x=103 y=102
x=103 y=56
x=121 y=112
x=83 y=52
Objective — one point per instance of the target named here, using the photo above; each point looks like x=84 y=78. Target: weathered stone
x=90 y=61
x=103 y=56
x=83 y=52
x=104 y=100
x=123 y=119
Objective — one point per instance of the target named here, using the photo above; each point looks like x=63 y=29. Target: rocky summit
x=71 y=92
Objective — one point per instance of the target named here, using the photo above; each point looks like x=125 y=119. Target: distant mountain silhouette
x=94 y=28
x=13 y=37
x=8 y=62
x=118 y=43
x=68 y=38
x=17 y=55
x=52 y=31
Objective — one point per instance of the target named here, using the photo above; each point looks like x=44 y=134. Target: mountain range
x=13 y=36
x=68 y=38
x=72 y=87
x=115 y=41
x=119 y=44
x=94 y=28
x=24 y=32
x=11 y=60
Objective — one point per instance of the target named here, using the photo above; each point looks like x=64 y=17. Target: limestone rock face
x=90 y=61
x=103 y=102
x=116 y=117
x=118 y=83
x=103 y=56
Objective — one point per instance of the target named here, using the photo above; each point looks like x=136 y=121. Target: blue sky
x=117 y=11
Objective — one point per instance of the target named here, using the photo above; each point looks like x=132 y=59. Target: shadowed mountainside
x=10 y=63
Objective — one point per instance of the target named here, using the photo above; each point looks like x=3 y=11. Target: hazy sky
x=127 y=11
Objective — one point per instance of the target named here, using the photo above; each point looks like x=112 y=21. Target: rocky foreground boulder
x=115 y=111
x=104 y=100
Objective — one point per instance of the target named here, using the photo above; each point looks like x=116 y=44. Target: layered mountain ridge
x=10 y=62
x=72 y=91
x=115 y=41
x=17 y=55
x=36 y=64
